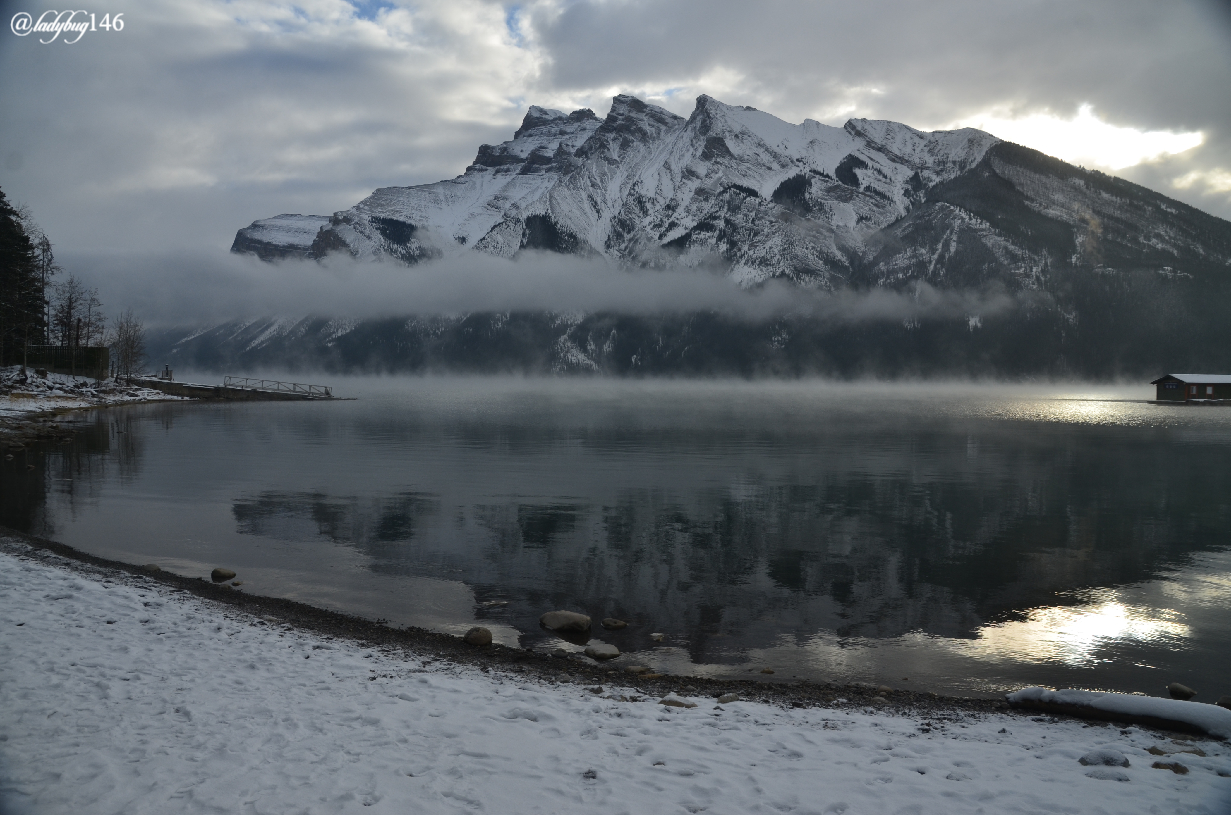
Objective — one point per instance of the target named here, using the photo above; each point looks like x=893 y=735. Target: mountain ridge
x=739 y=189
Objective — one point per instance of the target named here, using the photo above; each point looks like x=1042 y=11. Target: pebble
x=612 y=624
x=478 y=636
x=884 y=690
x=767 y=670
x=221 y=575
x=637 y=669
x=727 y=698
x=560 y=653
x=657 y=637
x=879 y=700
x=569 y=621
x=1182 y=692
x=151 y=568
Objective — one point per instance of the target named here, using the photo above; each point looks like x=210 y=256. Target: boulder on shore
x=612 y=624
x=478 y=636
x=567 y=621
x=1181 y=692
x=221 y=575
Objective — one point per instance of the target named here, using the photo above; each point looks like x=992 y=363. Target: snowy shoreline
x=29 y=406
x=122 y=693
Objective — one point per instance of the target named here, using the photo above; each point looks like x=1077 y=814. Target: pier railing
x=245 y=383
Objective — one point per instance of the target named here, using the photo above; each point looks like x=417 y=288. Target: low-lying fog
x=177 y=290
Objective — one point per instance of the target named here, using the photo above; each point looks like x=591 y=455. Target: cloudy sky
x=203 y=115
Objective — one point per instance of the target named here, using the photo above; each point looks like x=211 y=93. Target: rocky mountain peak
x=537 y=117
x=630 y=121
x=544 y=137
x=629 y=114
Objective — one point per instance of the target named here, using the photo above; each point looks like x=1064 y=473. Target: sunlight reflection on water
x=1075 y=636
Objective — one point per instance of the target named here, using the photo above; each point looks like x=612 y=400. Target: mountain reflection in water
x=971 y=538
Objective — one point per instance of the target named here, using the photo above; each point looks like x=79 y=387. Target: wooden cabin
x=1192 y=387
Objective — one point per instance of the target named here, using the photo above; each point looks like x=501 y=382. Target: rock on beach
x=672 y=700
x=221 y=575
x=1181 y=692
x=478 y=636
x=602 y=651
x=1104 y=758
x=565 y=621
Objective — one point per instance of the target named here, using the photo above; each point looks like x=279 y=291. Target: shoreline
x=28 y=416
x=414 y=641
x=571 y=668
x=124 y=691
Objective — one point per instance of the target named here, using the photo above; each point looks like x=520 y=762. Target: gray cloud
x=1142 y=64
x=163 y=139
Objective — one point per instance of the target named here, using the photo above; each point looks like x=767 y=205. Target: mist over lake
x=970 y=538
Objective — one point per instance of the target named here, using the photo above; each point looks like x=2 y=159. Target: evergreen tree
x=22 y=303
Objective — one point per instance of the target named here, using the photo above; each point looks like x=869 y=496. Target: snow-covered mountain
x=1103 y=277
x=870 y=203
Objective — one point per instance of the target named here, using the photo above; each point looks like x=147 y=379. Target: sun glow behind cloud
x=1085 y=138
x=1217 y=180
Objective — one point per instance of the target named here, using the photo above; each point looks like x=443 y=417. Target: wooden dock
x=238 y=389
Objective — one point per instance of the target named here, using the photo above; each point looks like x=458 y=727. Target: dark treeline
x=37 y=311
x=25 y=264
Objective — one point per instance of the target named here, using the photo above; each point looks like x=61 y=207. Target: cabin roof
x=1197 y=379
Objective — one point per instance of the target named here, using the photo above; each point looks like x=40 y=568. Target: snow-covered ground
x=121 y=695
x=35 y=394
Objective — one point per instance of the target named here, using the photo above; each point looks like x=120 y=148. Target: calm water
x=973 y=539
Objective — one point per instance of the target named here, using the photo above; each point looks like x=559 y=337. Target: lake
x=963 y=539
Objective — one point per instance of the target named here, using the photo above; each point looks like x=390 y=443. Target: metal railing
x=274 y=385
